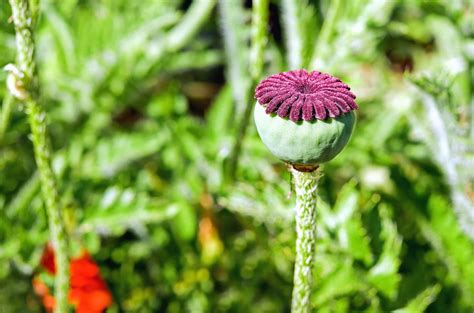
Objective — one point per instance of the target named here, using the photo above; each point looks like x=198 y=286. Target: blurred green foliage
x=143 y=122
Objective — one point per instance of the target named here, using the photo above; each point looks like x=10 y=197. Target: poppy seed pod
x=304 y=118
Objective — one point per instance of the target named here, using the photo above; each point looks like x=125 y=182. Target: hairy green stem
x=24 y=86
x=49 y=189
x=306 y=184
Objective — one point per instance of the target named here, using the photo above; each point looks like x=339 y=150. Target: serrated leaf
x=450 y=244
x=344 y=280
x=384 y=274
x=353 y=237
x=345 y=206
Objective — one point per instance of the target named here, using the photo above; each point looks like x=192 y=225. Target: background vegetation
x=146 y=102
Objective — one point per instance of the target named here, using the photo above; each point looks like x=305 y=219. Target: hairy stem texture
x=306 y=184
x=42 y=150
x=27 y=92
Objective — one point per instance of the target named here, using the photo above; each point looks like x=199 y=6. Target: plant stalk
x=291 y=17
x=306 y=183
x=7 y=106
x=23 y=85
x=326 y=33
x=258 y=42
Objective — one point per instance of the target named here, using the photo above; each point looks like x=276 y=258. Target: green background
x=145 y=100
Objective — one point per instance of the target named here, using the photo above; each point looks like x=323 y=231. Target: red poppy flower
x=83 y=271
x=88 y=291
x=91 y=301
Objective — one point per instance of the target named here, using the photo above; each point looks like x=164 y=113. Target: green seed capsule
x=304 y=142
x=303 y=118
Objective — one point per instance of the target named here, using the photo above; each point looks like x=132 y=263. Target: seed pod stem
x=306 y=184
x=305 y=119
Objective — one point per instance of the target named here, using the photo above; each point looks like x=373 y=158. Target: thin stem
x=231 y=19
x=306 y=184
x=7 y=106
x=259 y=40
x=327 y=30
x=24 y=196
x=197 y=14
x=36 y=117
x=259 y=37
x=25 y=89
x=470 y=110
x=291 y=16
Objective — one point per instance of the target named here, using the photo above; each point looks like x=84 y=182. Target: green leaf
x=384 y=274
x=353 y=237
x=63 y=37
x=185 y=222
x=120 y=209
x=421 y=302
x=344 y=280
x=219 y=115
x=450 y=244
x=344 y=207
x=113 y=153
